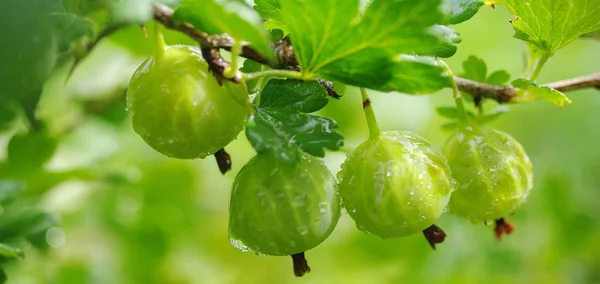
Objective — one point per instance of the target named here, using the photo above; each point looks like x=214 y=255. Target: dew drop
x=404 y=224
x=238 y=244
x=303 y=230
x=323 y=206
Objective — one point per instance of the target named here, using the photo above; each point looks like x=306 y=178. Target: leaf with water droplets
x=284 y=131
x=281 y=123
x=9 y=252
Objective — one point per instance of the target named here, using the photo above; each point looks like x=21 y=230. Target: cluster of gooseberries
x=393 y=185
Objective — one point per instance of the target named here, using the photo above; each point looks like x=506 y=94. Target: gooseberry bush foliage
x=262 y=69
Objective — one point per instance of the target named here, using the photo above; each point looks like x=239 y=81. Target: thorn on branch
x=300 y=264
x=285 y=53
x=328 y=85
x=502 y=227
x=434 y=235
x=223 y=161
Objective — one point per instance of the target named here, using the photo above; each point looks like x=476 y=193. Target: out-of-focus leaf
x=134 y=11
x=10 y=252
x=449 y=39
x=9 y=190
x=474 y=68
x=68 y=28
x=21 y=223
x=29 y=47
x=492 y=115
x=452 y=112
x=498 y=78
x=530 y=91
x=595 y=35
x=234 y=18
x=458 y=11
x=8 y=113
x=30 y=151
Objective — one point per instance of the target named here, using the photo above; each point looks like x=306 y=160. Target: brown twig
x=577 y=83
x=503 y=94
x=286 y=58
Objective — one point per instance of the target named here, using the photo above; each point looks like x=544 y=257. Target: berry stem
x=159 y=42
x=231 y=71
x=456 y=93
x=300 y=264
x=374 y=131
x=539 y=64
x=277 y=73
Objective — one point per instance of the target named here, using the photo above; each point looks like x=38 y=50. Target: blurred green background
x=129 y=215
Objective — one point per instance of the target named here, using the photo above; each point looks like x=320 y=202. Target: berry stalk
x=159 y=42
x=374 y=131
x=456 y=94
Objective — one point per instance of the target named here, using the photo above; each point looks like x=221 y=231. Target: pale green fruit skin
x=395 y=185
x=282 y=208
x=179 y=109
x=493 y=172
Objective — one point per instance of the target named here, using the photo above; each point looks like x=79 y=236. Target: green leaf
x=458 y=11
x=283 y=131
x=69 y=28
x=281 y=123
x=23 y=223
x=3 y=277
x=492 y=115
x=255 y=85
x=498 y=78
x=551 y=24
x=452 y=112
x=8 y=112
x=449 y=39
x=530 y=91
x=415 y=75
x=10 y=252
x=269 y=11
x=9 y=190
x=293 y=95
x=30 y=151
x=333 y=41
x=474 y=68
x=133 y=11
x=449 y=126
x=232 y=17
x=594 y=35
